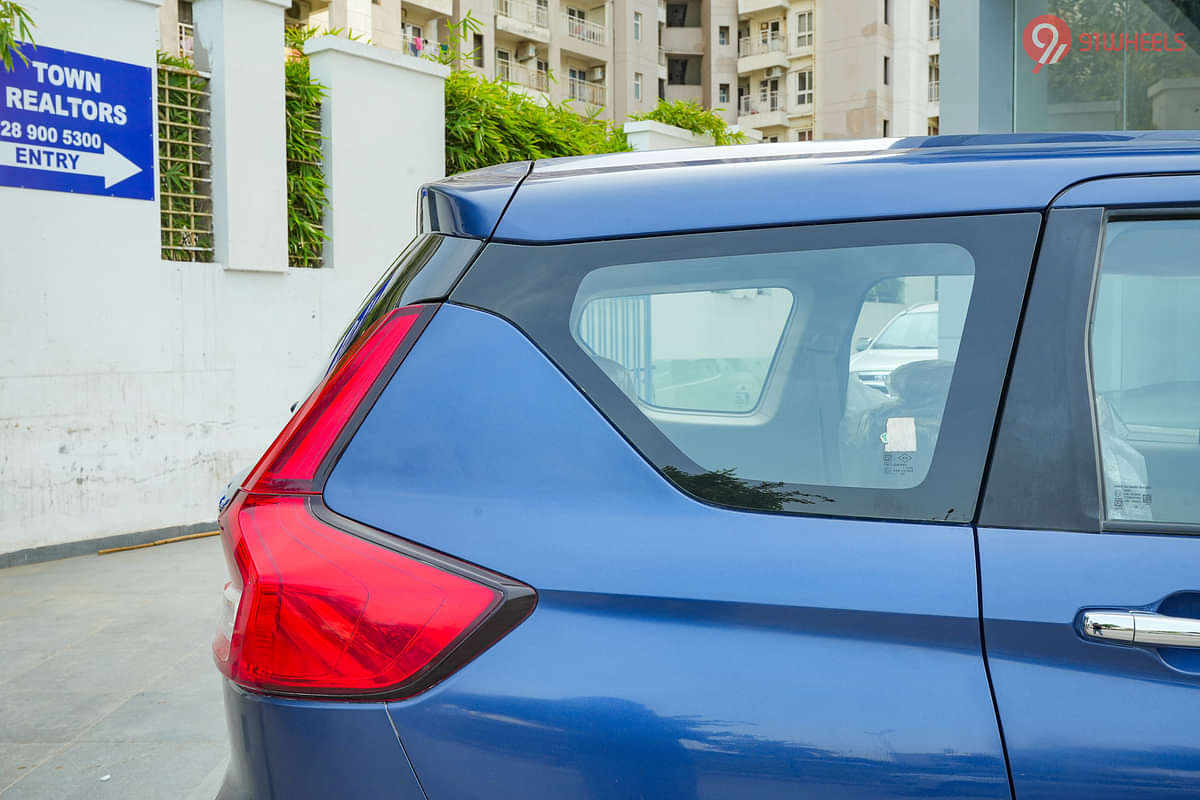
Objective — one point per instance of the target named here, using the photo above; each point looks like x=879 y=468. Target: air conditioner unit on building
x=775 y=72
x=527 y=52
x=596 y=74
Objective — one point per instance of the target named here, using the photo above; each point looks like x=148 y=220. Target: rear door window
x=847 y=369
x=1145 y=345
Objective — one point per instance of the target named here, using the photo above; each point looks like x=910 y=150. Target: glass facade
x=1128 y=65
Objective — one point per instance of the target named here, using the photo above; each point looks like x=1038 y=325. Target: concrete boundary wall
x=131 y=388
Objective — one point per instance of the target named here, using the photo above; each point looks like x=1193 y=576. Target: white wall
x=131 y=388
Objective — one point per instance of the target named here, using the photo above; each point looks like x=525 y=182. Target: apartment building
x=783 y=69
x=838 y=69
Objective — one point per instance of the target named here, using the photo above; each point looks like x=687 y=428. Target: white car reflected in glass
x=911 y=335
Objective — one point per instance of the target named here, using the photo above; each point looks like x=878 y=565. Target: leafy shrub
x=490 y=122
x=306 y=185
x=691 y=116
x=15 y=25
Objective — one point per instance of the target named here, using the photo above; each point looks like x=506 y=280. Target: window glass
x=1129 y=65
x=840 y=369
x=1146 y=370
x=699 y=351
x=757 y=336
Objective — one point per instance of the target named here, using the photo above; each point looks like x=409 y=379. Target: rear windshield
x=849 y=370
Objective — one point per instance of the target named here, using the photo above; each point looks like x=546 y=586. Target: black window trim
x=505 y=281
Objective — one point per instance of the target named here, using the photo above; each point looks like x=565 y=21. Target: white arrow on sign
x=110 y=165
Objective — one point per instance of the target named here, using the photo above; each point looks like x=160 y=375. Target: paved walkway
x=105 y=670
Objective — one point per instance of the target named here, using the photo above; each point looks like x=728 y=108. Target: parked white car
x=911 y=335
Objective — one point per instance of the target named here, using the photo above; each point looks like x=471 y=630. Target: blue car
x=590 y=504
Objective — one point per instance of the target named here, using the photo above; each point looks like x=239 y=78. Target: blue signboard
x=70 y=122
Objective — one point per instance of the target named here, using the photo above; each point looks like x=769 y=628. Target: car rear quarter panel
x=677 y=649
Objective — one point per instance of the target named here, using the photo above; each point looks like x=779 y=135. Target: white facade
x=838 y=69
x=132 y=388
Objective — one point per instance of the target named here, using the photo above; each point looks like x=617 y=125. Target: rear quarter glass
x=782 y=424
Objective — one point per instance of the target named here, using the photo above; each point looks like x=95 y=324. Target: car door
x=1089 y=559
x=755 y=571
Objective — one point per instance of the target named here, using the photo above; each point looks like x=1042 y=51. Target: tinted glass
x=699 y=351
x=1146 y=370
x=741 y=363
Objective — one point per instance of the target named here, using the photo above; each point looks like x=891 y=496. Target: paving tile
x=106 y=668
x=136 y=770
x=18 y=760
x=52 y=715
x=194 y=715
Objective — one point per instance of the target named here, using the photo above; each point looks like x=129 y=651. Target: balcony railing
x=187 y=40
x=755 y=46
x=935 y=91
x=417 y=45
x=586 y=31
x=760 y=103
x=586 y=91
x=521 y=11
x=537 y=79
x=935 y=28
x=662 y=57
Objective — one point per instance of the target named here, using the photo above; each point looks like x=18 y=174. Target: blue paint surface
x=672 y=191
x=70 y=122
x=677 y=649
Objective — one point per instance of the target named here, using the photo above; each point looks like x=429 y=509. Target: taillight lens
x=293 y=461
x=321 y=606
x=324 y=612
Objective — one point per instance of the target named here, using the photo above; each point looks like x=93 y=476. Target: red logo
x=1047 y=39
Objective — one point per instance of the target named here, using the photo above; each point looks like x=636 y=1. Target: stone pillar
x=384 y=129
x=240 y=42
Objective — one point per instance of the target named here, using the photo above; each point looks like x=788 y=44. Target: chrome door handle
x=1139 y=627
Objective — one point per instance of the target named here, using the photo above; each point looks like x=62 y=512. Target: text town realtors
x=65 y=105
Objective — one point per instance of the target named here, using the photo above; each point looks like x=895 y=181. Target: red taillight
x=324 y=612
x=322 y=606
x=292 y=463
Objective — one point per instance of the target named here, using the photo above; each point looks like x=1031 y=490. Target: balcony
x=523 y=19
x=439 y=8
x=536 y=79
x=187 y=40
x=935 y=28
x=762 y=110
x=748 y=7
x=418 y=46
x=586 y=92
x=755 y=53
x=662 y=57
x=935 y=91
x=585 y=31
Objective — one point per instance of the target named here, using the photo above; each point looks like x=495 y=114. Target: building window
x=935 y=21
x=772 y=139
x=932 y=126
x=723 y=93
x=723 y=35
x=662 y=89
x=804 y=135
x=503 y=65
x=804 y=29
x=804 y=88
x=935 y=79
x=637 y=86
x=887 y=129
x=887 y=70
x=887 y=12
x=637 y=26
x=477 y=53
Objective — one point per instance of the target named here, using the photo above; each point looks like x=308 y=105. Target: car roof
x=714 y=188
